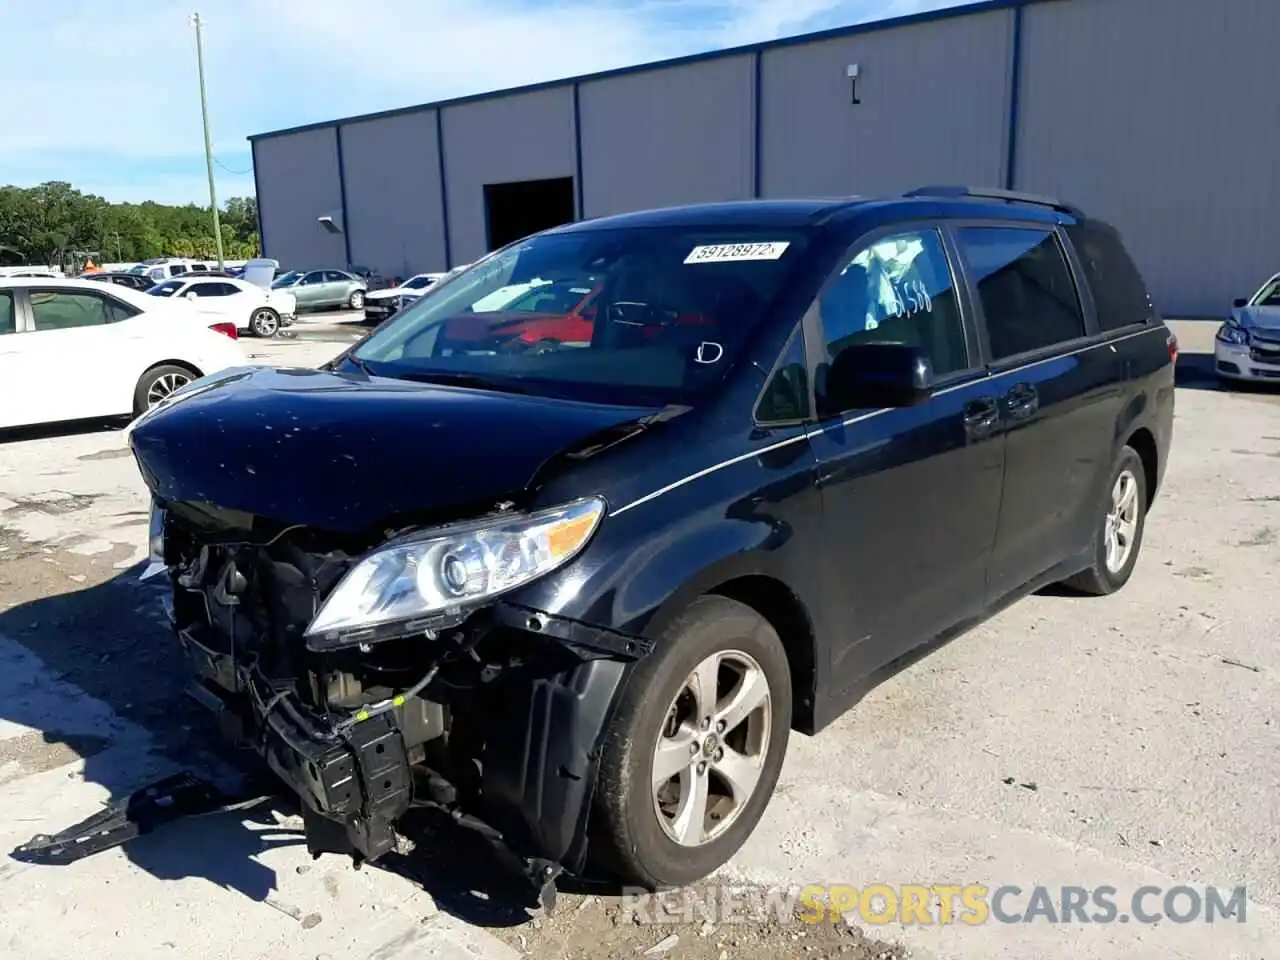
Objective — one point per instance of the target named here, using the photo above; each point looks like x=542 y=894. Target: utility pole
x=208 y=147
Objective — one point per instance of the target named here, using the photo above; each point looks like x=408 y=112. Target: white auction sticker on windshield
x=729 y=252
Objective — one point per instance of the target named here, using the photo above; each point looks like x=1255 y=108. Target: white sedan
x=1247 y=346
x=380 y=304
x=261 y=312
x=78 y=350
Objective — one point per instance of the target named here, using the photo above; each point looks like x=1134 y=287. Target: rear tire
x=732 y=728
x=157 y=383
x=1117 y=538
x=264 y=322
x=356 y=300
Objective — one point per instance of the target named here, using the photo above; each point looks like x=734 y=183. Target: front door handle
x=1022 y=401
x=981 y=417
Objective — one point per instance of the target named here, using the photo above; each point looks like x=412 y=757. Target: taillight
x=229 y=329
x=1173 y=348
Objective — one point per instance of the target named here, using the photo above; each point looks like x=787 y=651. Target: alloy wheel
x=264 y=323
x=164 y=385
x=711 y=750
x=1121 y=526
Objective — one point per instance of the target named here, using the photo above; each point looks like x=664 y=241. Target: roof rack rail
x=990 y=193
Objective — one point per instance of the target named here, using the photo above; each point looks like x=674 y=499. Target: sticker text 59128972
x=728 y=252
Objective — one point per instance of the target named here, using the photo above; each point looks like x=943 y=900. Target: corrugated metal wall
x=297 y=177
x=1158 y=115
x=1164 y=117
x=669 y=136
x=392 y=172
x=933 y=109
x=526 y=136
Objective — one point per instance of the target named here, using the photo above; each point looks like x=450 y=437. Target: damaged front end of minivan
x=376 y=677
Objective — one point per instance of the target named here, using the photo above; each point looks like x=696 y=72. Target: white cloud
x=117 y=97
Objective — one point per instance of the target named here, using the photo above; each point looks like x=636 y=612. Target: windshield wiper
x=457 y=378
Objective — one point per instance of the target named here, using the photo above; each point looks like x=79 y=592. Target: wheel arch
x=184 y=364
x=739 y=578
x=1143 y=442
x=785 y=612
x=187 y=365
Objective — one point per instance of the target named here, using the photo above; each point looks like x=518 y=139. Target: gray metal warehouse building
x=1162 y=116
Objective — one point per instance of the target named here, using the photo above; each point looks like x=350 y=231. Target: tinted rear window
x=1119 y=293
x=1028 y=296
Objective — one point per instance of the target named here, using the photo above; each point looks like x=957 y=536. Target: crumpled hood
x=1258 y=318
x=346 y=452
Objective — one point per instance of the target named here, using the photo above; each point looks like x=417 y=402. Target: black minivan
x=570 y=546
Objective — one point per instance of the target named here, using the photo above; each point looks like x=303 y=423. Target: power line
x=238 y=173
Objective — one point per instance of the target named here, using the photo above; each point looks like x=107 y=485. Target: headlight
x=1230 y=333
x=445 y=571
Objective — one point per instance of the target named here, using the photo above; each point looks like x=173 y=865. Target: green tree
x=51 y=220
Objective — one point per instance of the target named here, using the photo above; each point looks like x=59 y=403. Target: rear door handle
x=1021 y=401
x=981 y=417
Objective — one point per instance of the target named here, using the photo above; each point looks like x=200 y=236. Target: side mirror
x=1240 y=302
x=876 y=375
x=190 y=294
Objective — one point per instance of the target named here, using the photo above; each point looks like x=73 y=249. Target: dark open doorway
x=515 y=210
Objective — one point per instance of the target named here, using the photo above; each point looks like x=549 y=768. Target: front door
x=911 y=496
x=1059 y=392
x=75 y=355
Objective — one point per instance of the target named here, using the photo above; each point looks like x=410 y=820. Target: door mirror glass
x=872 y=376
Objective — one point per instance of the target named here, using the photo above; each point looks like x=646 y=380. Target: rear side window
x=1119 y=292
x=7 y=322
x=65 y=310
x=1027 y=293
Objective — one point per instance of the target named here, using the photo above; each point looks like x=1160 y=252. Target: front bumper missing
x=539 y=762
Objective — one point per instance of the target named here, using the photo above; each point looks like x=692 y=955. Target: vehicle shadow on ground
x=110 y=642
x=62 y=429
x=1195 y=371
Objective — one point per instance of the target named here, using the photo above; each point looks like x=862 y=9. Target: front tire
x=156 y=384
x=356 y=300
x=1117 y=538
x=264 y=323
x=692 y=754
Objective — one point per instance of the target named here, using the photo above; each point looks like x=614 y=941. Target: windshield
x=632 y=315
x=286 y=279
x=166 y=289
x=418 y=282
x=138 y=270
x=1269 y=295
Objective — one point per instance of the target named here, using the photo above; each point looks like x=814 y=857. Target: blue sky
x=107 y=97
